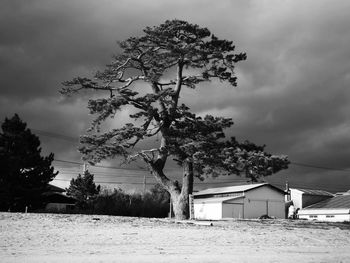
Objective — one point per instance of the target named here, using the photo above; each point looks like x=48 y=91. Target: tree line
x=154 y=203
x=91 y=199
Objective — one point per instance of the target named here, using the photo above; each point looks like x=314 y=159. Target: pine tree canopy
x=25 y=173
x=83 y=187
x=146 y=78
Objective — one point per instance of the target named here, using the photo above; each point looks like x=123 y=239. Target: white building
x=336 y=209
x=304 y=197
x=343 y=193
x=243 y=201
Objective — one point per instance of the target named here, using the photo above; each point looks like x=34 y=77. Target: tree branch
x=177 y=89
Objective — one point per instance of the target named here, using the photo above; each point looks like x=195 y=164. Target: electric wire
x=73 y=139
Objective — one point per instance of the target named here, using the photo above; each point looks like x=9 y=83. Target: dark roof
x=342 y=201
x=314 y=192
x=234 y=189
x=53 y=188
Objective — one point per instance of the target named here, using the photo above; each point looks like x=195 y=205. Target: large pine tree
x=24 y=172
x=147 y=78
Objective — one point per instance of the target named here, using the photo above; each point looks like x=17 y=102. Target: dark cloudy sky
x=292 y=95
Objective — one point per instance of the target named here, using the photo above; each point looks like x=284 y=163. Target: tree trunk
x=181 y=199
x=180 y=206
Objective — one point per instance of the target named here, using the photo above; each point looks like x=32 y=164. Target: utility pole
x=143 y=195
x=288 y=191
x=144 y=184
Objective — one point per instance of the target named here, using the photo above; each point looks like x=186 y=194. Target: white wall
x=332 y=215
x=297 y=197
x=329 y=218
x=257 y=202
x=302 y=200
x=208 y=210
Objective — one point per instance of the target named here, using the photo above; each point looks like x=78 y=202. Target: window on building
x=329 y=216
x=312 y=216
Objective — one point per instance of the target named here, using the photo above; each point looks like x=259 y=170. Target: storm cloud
x=293 y=90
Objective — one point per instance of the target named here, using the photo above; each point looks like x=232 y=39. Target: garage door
x=232 y=210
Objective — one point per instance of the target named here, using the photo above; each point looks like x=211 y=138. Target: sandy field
x=92 y=238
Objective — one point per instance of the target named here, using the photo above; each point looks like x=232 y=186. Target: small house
x=335 y=209
x=242 y=201
x=304 y=197
x=55 y=200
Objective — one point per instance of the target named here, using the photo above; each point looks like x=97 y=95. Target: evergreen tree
x=83 y=188
x=149 y=76
x=24 y=172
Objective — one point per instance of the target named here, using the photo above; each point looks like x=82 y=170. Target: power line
x=99 y=175
x=320 y=167
x=223 y=183
x=118 y=182
x=56 y=135
x=102 y=166
x=70 y=138
x=108 y=182
x=73 y=139
x=64 y=161
x=107 y=173
x=115 y=177
x=112 y=177
x=143 y=169
x=149 y=176
x=119 y=168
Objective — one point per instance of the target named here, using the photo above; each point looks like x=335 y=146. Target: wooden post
x=191 y=206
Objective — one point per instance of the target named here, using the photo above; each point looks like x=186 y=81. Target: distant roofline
x=217 y=199
x=253 y=186
x=54 y=188
x=318 y=191
x=336 y=202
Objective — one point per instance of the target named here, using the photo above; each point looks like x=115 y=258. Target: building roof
x=216 y=199
x=343 y=193
x=54 y=188
x=314 y=192
x=342 y=201
x=233 y=189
